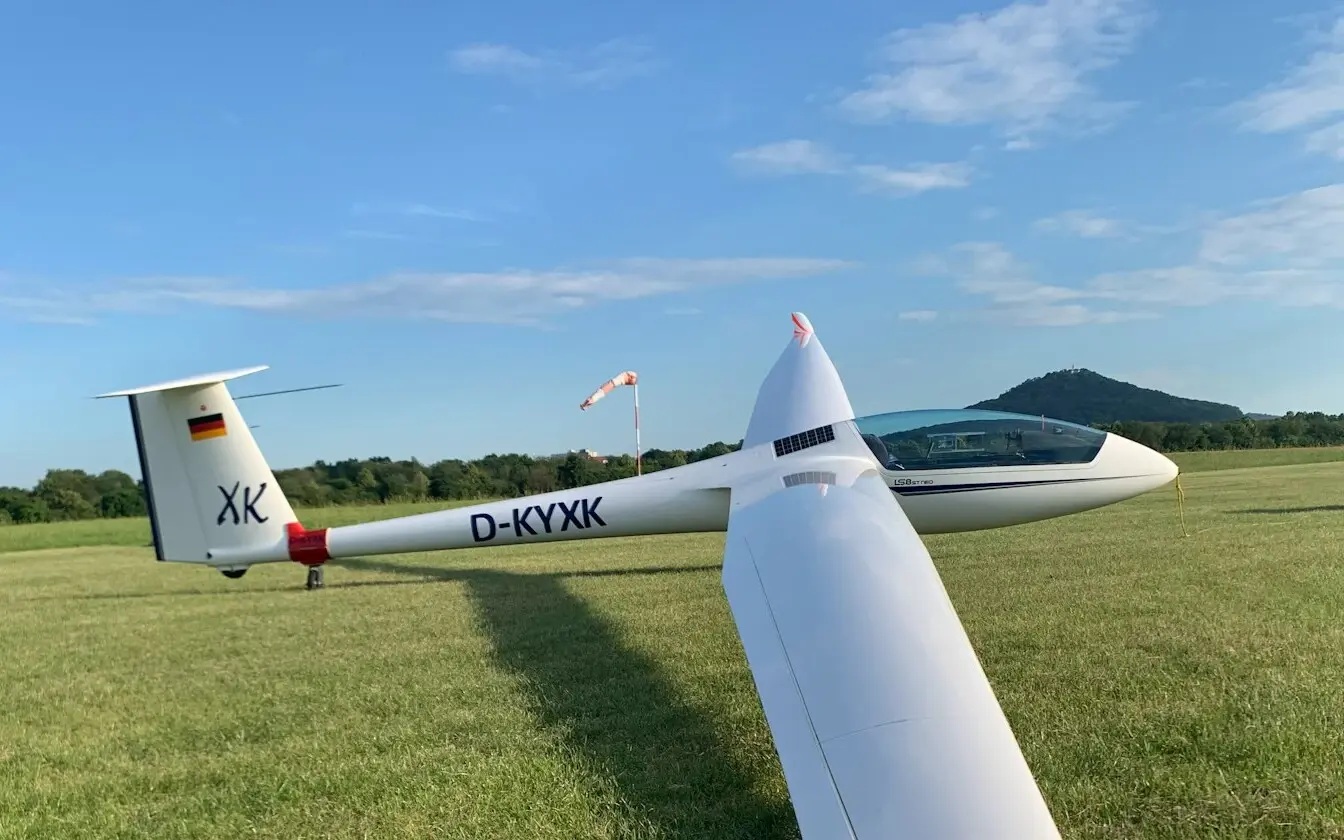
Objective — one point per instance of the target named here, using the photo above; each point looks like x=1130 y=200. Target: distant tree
x=576 y=471
x=418 y=486
x=74 y=481
x=112 y=481
x=66 y=504
x=121 y=502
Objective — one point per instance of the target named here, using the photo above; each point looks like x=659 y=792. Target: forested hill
x=1082 y=396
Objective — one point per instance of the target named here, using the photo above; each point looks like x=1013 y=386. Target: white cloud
x=1285 y=251
x=438 y=213
x=1082 y=223
x=602 y=66
x=503 y=297
x=1304 y=229
x=416 y=209
x=496 y=58
x=42 y=303
x=1310 y=98
x=791 y=157
x=1328 y=141
x=1201 y=83
x=1023 y=68
x=916 y=178
x=988 y=270
x=807 y=157
x=363 y=233
x=918 y=315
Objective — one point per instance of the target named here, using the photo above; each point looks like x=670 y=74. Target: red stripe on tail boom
x=307 y=547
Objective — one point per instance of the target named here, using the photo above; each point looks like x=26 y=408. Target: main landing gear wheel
x=233 y=574
x=315 y=578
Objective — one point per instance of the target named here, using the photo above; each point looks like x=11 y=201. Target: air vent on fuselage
x=809 y=477
x=804 y=440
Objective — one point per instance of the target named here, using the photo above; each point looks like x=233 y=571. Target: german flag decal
x=208 y=426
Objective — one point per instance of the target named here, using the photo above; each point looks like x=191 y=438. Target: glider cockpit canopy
x=962 y=438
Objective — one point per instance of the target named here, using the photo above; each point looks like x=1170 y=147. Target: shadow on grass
x=676 y=775
x=1282 y=510
x=428 y=575
x=613 y=707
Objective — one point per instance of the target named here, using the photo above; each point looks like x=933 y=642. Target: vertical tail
x=212 y=498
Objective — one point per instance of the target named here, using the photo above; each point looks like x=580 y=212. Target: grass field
x=1162 y=686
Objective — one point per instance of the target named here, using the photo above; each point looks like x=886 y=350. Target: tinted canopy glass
x=943 y=439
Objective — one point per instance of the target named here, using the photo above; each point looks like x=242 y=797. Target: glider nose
x=1142 y=462
x=1169 y=467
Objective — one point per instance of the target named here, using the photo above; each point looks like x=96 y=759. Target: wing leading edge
x=884 y=721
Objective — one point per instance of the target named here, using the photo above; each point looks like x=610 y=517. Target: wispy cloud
x=363 y=233
x=602 y=66
x=791 y=157
x=1082 y=223
x=1310 y=98
x=1299 y=230
x=1201 y=83
x=41 y=302
x=916 y=178
x=1285 y=251
x=300 y=249
x=416 y=209
x=918 y=315
x=1023 y=68
x=41 y=311
x=988 y=270
x=807 y=157
x=520 y=296
x=439 y=213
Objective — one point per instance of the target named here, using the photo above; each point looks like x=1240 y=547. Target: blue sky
x=473 y=214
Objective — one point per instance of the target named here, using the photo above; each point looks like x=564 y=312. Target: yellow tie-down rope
x=1180 y=504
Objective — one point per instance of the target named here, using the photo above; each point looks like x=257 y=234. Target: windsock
x=628 y=377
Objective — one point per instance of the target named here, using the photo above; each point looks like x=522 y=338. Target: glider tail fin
x=212 y=498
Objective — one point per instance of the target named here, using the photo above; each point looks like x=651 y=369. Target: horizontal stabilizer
x=188 y=382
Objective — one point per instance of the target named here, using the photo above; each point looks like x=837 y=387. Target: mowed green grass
x=1162 y=686
x=1234 y=459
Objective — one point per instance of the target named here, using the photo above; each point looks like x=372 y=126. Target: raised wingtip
x=801 y=392
x=802 y=328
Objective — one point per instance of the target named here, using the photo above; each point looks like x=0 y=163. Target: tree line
x=1294 y=429
x=71 y=494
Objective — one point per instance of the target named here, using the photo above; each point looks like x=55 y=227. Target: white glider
x=885 y=723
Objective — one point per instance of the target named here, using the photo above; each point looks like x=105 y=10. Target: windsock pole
x=639 y=462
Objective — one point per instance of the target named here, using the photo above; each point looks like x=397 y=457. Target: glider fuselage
x=950 y=471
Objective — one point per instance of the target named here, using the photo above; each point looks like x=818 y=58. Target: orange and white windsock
x=628 y=377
